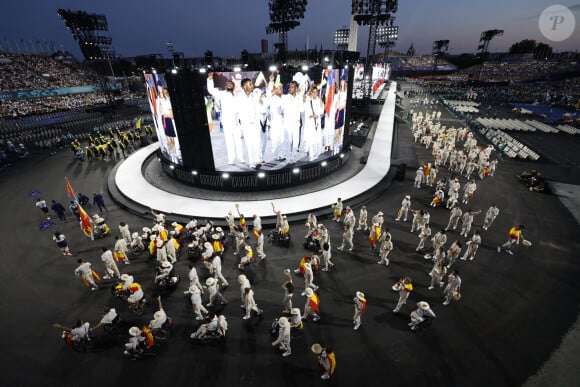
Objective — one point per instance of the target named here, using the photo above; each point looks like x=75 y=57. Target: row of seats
x=509 y=145
x=542 y=127
x=506 y=124
x=568 y=129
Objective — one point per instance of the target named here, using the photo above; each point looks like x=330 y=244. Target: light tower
x=373 y=13
x=483 y=47
x=284 y=16
x=440 y=47
x=342 y=38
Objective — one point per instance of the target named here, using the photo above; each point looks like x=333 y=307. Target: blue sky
x=228 y=26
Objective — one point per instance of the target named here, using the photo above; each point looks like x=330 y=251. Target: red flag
x=86 y=223
x=330 y=90
x=69 y=190
x=314 y=301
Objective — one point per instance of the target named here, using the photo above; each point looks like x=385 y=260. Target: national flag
x=86 y=223
x=138 y=124
x=363 y=301
x=69 y=190
x=260 y=79
x=314 y=301
x=330 y=89
x=332 y=361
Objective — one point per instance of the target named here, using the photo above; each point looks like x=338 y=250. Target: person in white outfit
x=403 y=211
x=472 y=245
x=453 y=253
x=453 y=288
x=250 y=304
x=490 y=215
x=194 y=278
x=327 y=256
x=249 y=108
x=404 y=287
x=277 y=131
x=111 y=268
x=346 y=238
x=283 y=340
x=362 y=218
x=420 y=314
x=216 y=264
x=454 y=217
x=437 y=274
x=313 y=111
x=86 y=273
x=467 y=221
x=360 y=306
x=214 y=294
x=293 y=106
x=423 y=236
x=337 y=209
x=196 y=302
x=232 y=132
x=308 y=277
x=125 y=233
x=385 y=248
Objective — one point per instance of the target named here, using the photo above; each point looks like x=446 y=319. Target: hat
x=210 y=281
x=174 y=224
x=316 y=348
x=152 y=237
x=159 y=242
x=309 y=292
x=135 y=235
x=215 y=236
x=219 y=229
x=134 y=331
x=158 y=315
x=165 y=264
x=284 y=216
x=96 y=216
x=295 y=311
x=207 y=245
x=193 y=289
x=248 y=248
x=242 y=278
x=423 y=305
x=360 y=295
x=408 y=197
x=283 y=322
x=155 y=228
x=307 y=265
x=146 y=229
x=125 y=277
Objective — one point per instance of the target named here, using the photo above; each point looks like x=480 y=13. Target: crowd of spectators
x=523 y=71
x=34 y=71
x=41 y=105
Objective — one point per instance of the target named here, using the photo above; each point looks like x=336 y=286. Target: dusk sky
x=228 y=26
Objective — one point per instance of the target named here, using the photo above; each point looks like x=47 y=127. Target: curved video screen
x=163 y=119
x=259 y=120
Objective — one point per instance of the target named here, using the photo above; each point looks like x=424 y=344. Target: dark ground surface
x=513 y=314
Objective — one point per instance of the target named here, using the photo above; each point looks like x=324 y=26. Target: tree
x=529 y=46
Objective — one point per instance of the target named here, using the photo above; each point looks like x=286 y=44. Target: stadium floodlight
x=272 y=69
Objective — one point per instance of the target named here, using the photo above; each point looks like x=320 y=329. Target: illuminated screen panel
x=162 y=112
x=270 y=123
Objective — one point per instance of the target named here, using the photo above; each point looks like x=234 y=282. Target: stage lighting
x=202 y=71
x=296 y=170
x=272 y=68
x=173 y=71
x=342 y=155
x=329 y=67
x=326 y=59
x=226 y=175
x=304 y=68
x=172 y=166
x=261 y=175
x=237 y=69
x=194 y=173
x=154 y=71
x=324 y=163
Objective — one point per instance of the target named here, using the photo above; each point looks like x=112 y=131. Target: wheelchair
x=312 y=244
x=276 y=238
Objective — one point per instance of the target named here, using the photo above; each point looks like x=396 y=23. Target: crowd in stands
x=425 y=62
x=522 y=71
x=31 y=106
x=33 y=72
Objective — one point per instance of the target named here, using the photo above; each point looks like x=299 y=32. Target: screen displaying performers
x=162 y=111
x=257 y=120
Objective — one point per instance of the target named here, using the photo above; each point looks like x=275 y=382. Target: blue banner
x=20 y=94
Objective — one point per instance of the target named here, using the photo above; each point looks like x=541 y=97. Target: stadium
x=179 y=176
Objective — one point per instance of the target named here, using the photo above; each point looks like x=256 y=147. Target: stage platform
x=139 y=184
